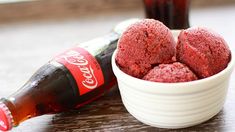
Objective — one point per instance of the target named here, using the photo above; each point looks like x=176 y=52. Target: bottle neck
x=20 y=106
x=48 y=91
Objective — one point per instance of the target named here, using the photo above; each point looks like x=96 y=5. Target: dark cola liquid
x=53 y=89
x=173 y=13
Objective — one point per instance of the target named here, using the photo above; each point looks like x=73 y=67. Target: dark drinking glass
x=173 y=13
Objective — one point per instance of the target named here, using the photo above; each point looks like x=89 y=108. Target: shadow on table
x=109 y=114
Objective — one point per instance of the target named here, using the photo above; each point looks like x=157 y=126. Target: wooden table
x=25 y=46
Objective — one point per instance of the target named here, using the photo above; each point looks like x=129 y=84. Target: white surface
x=13 y=1
x=220 y=19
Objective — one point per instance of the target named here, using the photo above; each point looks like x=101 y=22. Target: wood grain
x=59 y=9
x=27 y=45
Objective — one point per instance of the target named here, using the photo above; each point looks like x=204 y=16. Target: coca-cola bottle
x=73 y=78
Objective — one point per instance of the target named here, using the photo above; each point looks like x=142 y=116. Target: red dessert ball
x=203 y=50
x=170 y=73
x=143 y=45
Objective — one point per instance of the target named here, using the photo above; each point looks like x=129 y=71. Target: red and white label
x=84 y=68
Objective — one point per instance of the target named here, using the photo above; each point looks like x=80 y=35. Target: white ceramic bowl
x=173 y=105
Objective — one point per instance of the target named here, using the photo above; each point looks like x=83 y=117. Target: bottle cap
x=6 y=119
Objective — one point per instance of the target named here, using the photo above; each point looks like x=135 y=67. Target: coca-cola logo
x=76 y=58
x=84 y=68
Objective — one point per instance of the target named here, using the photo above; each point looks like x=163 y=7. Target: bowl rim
x=168 y=86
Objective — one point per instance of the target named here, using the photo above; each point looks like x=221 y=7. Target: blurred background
x=32 y=31
x=18 y=10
